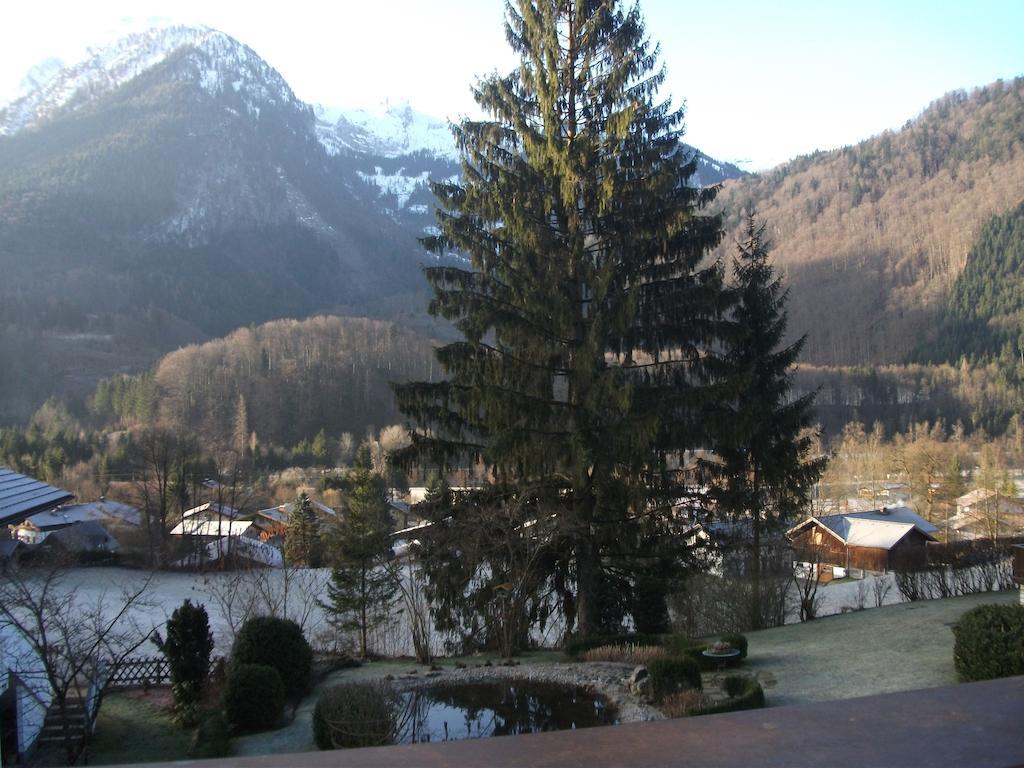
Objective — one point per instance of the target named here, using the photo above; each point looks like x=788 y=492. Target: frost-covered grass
x=132 y=730
x=898 y=647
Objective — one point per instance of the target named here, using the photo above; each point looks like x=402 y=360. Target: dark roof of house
x=86 y=536
x=8 y=547
x=21 y=496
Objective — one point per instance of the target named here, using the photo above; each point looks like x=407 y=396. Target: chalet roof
x=283 y=512
x=878 y=528
x=85 y=536
x=195 y=526
x=21 y=496
x=8 y=547
x=213 y=509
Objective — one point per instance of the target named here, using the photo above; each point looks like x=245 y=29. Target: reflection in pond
x=470 y=710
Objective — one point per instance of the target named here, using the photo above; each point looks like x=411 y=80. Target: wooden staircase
x=50 y=746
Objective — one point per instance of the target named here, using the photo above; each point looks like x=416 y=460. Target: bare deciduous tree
x=76 y=640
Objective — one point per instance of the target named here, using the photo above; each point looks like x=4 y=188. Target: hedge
x=989 y=642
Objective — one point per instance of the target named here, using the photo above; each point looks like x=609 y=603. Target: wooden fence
x=145 y=673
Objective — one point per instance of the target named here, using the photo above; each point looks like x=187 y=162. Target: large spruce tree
x=763 y=470
x=588 y=321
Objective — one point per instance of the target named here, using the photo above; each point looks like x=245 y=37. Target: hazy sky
x=763 y=81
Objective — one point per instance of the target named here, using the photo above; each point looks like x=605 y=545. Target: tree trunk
x=587 y=615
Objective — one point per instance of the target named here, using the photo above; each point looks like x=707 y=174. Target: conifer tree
x=361 y=589
x=303 y=544
x=587 y=319
x=762 y=471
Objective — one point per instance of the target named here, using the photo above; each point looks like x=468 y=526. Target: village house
x=987 y=514
x=878 y=540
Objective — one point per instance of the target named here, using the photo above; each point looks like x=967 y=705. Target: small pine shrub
x=254 y=697
x=672 y=675
x=355 y=714
x=211 y=738
x=989 y=642
x=277 y=643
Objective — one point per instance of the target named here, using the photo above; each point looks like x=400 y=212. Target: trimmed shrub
x=211 y=738
x=577 y=647
x=737 y=641
x=254 y=697
x=672 y=675
x=989 y=642
x=277 y=643
x=355 y=714
x=734 y=685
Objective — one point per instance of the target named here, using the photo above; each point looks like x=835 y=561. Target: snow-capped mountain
x=389 y=131
x=214 y=60
x=171 y=187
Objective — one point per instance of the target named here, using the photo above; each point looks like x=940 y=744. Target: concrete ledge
x=975 y=724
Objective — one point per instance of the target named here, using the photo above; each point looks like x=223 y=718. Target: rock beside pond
x=639 y=681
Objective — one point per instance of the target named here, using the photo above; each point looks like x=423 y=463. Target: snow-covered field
x=230 y=597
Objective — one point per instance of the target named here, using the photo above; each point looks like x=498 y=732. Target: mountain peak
x=218 y=62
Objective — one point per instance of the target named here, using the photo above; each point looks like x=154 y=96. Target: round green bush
x=355 y=714
x=277 y=643
x=671 y=675
x=989 y=642
x=254 y=697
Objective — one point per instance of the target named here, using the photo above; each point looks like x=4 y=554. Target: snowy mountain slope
x=389 y=131
x=220 y=62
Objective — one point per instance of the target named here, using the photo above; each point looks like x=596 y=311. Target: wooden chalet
x=878 y=540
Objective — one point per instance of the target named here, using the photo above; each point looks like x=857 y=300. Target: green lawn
x=131 y=730
x=900 y=647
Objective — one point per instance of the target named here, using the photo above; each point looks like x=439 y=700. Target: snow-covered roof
x=878 y=528
x=212 y=508
x=283 y=512
x=21 y=496
x=93 y=510
x=194 y=526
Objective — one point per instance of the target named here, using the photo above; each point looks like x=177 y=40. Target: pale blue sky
x=763 y=81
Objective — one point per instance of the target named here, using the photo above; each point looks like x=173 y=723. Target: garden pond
x=451 y=711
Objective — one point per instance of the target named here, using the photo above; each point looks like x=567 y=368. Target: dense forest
x=984 y=319
x=873 y=237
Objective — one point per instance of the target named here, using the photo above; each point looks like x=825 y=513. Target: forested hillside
x=873 y=237
x=283 y=382
x=985 y=314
